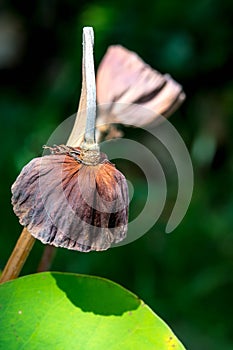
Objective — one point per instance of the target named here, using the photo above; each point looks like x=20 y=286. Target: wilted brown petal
x=72 y=205
x=125 y=79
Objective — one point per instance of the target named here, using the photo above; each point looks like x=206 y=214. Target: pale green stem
x=86 y=115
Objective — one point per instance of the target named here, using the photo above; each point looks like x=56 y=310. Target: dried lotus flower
x=67 y=203
x=74 y=198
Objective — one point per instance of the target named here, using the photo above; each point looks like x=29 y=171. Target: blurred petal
x=124 y=79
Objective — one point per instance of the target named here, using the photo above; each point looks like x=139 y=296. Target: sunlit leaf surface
x=68 y=311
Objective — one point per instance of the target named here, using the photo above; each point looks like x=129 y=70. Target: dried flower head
x=72 y=199
x=75 y=198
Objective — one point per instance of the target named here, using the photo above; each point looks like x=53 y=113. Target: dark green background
x=186 y=277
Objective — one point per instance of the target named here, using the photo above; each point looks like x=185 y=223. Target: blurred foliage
x=186 y=277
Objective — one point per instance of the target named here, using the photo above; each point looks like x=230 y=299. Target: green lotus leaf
x=62 y=311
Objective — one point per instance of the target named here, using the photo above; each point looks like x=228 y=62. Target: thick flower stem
x=18 y=256
x=89 y=81
x=83 y=133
